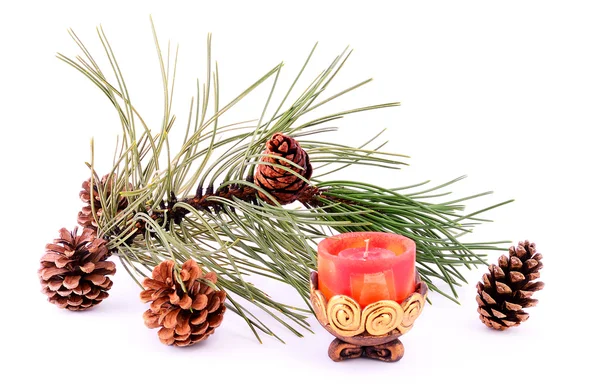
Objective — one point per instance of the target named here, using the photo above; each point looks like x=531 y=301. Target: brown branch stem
x=309 y=196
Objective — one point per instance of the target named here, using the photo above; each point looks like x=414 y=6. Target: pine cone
x=508 y=287
x=74 y=270
x=88 y=195
x=281 y=184
x=188 y=317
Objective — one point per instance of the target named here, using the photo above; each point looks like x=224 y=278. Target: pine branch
x=203 y=203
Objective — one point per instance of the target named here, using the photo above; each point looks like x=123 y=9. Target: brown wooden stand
x=388 y=352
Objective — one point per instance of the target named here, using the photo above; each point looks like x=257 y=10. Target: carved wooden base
x=370 y=332
x=388 y=352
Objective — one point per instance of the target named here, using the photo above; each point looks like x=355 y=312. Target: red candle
x=367 y=266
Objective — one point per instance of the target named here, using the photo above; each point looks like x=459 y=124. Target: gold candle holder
x=371 y=332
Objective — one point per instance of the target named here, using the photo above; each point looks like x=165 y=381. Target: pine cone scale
x=88 y=267
x=531 y=264
x=201 y=330
x=152 y=284
x=183 y=329
x=487 y=298
x=53 y=257
x=503 y=288
x=166 y=334
x=48 y=273
x=53 y=285
x=534 y=286
x=215 y=320
x=170 y=320
x=200 y=318
x=516 y=276
x=63 y=292
x=102 y=267
x=71 y=281
x=74 y=300
x=185 y=302
x=82 y=289
x=200 y=302
x=55 y=248
x=512 y=307
x=522 y=316
x=151 y=319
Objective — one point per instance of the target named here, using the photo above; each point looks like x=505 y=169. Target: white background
x=505 y=92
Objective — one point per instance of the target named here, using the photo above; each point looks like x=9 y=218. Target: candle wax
x=386 y=273
x=364 y=254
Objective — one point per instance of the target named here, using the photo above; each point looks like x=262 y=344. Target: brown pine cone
x=281 y=184
x=74 y=270
x=85 y=217
x=184 y=318
x=507 y=289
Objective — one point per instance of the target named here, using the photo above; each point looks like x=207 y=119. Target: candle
x=367 y=266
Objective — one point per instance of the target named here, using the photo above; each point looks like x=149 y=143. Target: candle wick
x=366 y=249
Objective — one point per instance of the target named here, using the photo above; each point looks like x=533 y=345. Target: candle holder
x=371 y=332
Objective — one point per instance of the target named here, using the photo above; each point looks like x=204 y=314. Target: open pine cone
x=184 y=318
x=507 y=289
x=85 y=217
x=280 y=183
x=74 y=270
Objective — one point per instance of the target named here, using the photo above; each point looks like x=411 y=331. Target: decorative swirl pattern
x=318 y=300
x=344 y=316
x=319 y=306
x=412 y=306
x=382 y=317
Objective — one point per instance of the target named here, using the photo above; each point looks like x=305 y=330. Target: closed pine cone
x=88 y=195
x=74 y=270
x=507 y=289
x=184 y=318
x=282 y=184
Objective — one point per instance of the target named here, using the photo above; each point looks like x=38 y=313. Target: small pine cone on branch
x=507 y=289
x=185 y=317
x=74 y=270
x=91 y=196
x=282 y=184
